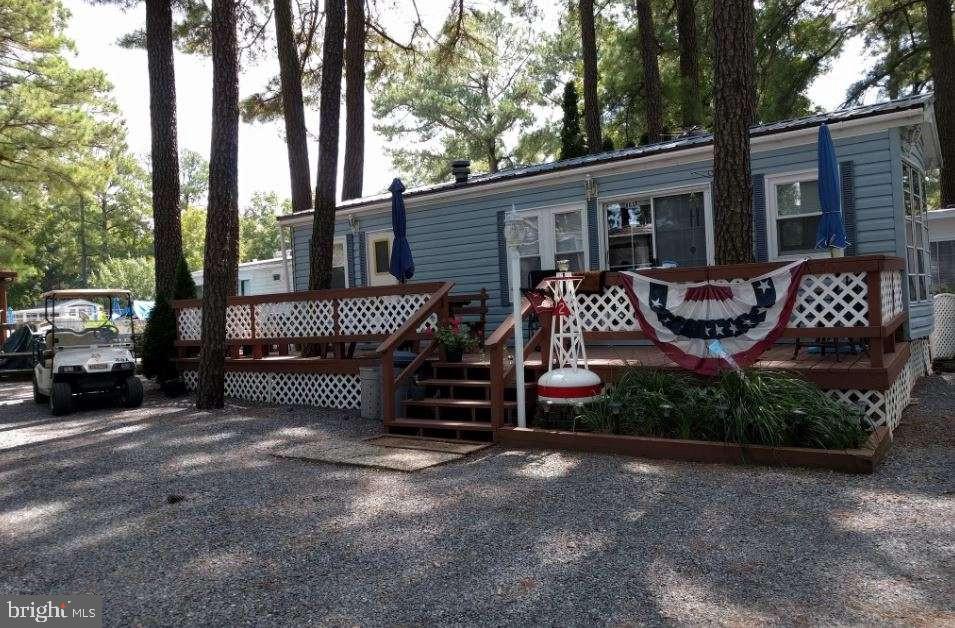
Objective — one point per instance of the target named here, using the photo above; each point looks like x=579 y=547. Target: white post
x=514 y=276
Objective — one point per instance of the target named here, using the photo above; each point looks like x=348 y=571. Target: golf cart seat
x=66 y=337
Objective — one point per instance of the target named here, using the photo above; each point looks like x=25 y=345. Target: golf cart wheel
x=132 y=392
x=61 y=398
x=38 y=397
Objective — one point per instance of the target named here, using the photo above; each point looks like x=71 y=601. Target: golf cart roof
x=86 y=293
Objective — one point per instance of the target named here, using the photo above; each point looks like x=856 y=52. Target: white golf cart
x=87 y=355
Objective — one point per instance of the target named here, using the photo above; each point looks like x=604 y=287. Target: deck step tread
x=474 y=383
x=454 y=403
x=442 y=424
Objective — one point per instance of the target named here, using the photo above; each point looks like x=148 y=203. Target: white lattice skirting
x=943 y=336
x=884 y=407
x=322 y=390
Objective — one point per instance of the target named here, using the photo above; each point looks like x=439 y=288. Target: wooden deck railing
x=332 y=320
x=856 y=297
x=436 y=308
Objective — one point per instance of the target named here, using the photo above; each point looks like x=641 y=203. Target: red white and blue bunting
x=714 y=325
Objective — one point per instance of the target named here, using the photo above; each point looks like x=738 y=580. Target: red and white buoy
x=568 y=380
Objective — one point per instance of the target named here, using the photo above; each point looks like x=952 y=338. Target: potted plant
x=455 y=338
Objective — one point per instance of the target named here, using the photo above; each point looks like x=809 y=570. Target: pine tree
x=185 y=286
x=222 y=225
x=571 y=139
x=735 y=110
x=159 y=337
x=323 y=225
x=588 y=48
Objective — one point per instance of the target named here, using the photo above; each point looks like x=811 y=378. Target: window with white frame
x=560 y=235
x=916 y=231
x=794 y=212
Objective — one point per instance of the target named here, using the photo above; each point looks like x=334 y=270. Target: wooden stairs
x=453 y=400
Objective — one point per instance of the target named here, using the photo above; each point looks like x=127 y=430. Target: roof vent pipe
x=461 y=168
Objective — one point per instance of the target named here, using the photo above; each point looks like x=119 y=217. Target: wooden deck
x=828 y=371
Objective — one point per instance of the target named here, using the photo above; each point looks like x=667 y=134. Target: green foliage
x=572 y=143
x=159 y=338
x=753 y=407
x=137 y=274
x=465 y=102
x=185 y=287
x=258 y=228
x=193 y=223
x=796 y=40
x=63 y=166
x=896 y=34
x=193 y=178
x=159 y=342
x=455 y=336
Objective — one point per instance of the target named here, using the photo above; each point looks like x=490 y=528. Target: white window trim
x=375 y=278
x=772 y=214
x=547 y=242
x=923 y=224
x=649 y=194
x=341 y=240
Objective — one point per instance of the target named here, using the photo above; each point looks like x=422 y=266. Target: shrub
x=159 y=338
x=752 y=407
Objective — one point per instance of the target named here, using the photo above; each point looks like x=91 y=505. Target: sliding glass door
x=647 y=232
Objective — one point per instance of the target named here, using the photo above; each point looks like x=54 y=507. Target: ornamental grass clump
x=749 y=407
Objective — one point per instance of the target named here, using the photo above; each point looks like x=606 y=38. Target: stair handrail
x=501 y=373
x=438 y=301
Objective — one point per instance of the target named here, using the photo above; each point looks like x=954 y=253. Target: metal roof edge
x=583 y=165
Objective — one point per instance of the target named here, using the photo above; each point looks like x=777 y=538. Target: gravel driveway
x=507 y=537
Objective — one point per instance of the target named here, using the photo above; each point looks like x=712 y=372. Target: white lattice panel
x=380 y=315
x=607 y=311
x=249 y=385
x=943 y=336
x=323 y=390
x=238 y=321
x=886 y=407
x=890 y=282
x=190 y=323
x=831 y=300
x=294 y=319
x=190 y=379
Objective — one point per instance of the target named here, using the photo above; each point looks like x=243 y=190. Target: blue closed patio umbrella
x=831 y=232
x=402 y=263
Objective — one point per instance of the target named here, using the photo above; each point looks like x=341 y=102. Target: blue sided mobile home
x=642 y=206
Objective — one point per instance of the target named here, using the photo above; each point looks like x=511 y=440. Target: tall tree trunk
x=588 y=44
x=323 y=227
x=167 y=229
x=493 y=161
x=354 y=100
x=649 y=49
x=223 y=215
x=691 y=107
x=735 y=95
x=942 y=47
x=293 y=107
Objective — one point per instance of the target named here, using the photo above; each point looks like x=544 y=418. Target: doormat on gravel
x=428 y=444
x=363 y=454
